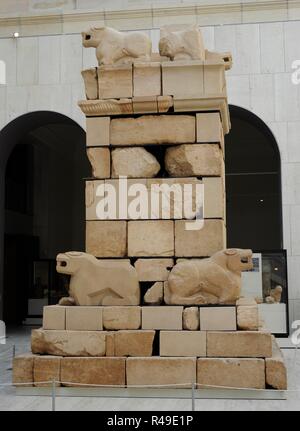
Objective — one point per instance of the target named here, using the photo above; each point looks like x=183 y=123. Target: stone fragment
x=232 y=373
x=100 y=161
x=214 y=197
x=190 y=317
x=155 y=294
x=214 y=78
x=105 y=238
x=115 y=318
x=164 y=103
x=115 y=81
x=161 y=371
x=247 y=317
x=153 y=269
x=147 y=79
x=145 y=105
x=134 y=163
x=217 y=318
x=84 y=318
x=68 y=343
x=93 y=371
x=182 y=343
x=95 y=108
x=90 y=78
x=181 y=42
x=193 y=160
x=133 y=343
x=183 y=78
x=151 y=238
x=162 y=317
x=276 y=373
x=46 y=370
x=209 y=127
x=243 y=301
x=153 y=129
x=243 y=344
x=54 y=317
x=22 y=370
x=97 y=131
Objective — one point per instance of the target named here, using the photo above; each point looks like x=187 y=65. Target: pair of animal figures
x=213 y=280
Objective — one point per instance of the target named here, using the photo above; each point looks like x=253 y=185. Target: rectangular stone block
x=214 y=197
x=133 y=343
x=239 y=344
x=153 y=129
x=201 y=242
x=162 y=317
x=209 y=127
x=90 y=78
x=232 y=373
x=115 y=81
x=106 y=238
x=84 y=318
x=153 y=269
x=97 y=131
x=182 y=343
x=22 y=370
x=145 y=105
x=54 y=317
x=217 y=318
x=276 y=373
x=183 y=78
x=247 y=317
x=151 y=238
x=46 y=369
x=214 y=78
x=245 y=301
x=93 y=371
x=161 y=371
x=100 y=160
x=147 y=79
x=122 y=317
x=68 y=343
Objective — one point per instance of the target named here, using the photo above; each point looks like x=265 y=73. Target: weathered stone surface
x=54 y=317
x=214 y=197
x=100 y=161
x=155 y=294
x=193 y=160
x=243 y=344
x=190 y=318
x=233 y=373
x=276 y=373
x=247 y=317
x=46 y=369
x=153 y=269
x=95 y=108
x=22 y=371
x=245 y=301
x=99 y=281
x=134 y=163
x=183 y=78
x=161 y=371
x=145 y=105
x=182 y=343
x=93 y=371
x=217 y=318
x=105 y=238
x=162 y=317
x=133 y=343
x=115 y=318
x=209 y=127
x=90 y=78
x=68 y=343
x=84 y=318
x=115 y=82
x=202 y=242
x=147 y=79
x=153 y=129
x=151 y=238
x=97 y=131
x=181 y=42
x=164 y=103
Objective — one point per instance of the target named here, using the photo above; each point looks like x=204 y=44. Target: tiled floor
x=21 y=338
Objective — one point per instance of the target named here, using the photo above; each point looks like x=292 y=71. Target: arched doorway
x=42 y=165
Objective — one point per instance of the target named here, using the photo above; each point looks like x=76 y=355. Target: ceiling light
x=16 y=34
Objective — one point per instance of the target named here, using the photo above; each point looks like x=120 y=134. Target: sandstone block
x=106 y=238
x=147 y=79
x=68 y=343
x=243 y=344
x=100 y=161
x=84 y=318
x=183 y=78
x=22 y=370
x=115 y=81
x=214 y=197
x=133 y=343
x=54 y=317
x=245 y=301
x=91 y=83
x=182 y=343
x=217 y=319
x=110 y=344
x=134 y=163
x=155 y=294
x=161 y=371
x=153 y=129
x=247 y=317
x=151 y=238
x=153 y=269
x=93 y=371
x=276 y=373
x=190 y=317
x=115 y=318
x=145 y=105
x=97 y=131
x=46 y=369
x=202 y=242
x=163 y=317
x=194 y=160
x=233 y=373
x=164 y=103
x=209 y=127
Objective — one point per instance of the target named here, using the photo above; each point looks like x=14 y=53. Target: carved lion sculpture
x=98 y=282
x=113 y=46
x=186 y=44
x=214 y=280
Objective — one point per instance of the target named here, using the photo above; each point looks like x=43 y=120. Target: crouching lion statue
x=98 y=282
x=214 y=280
